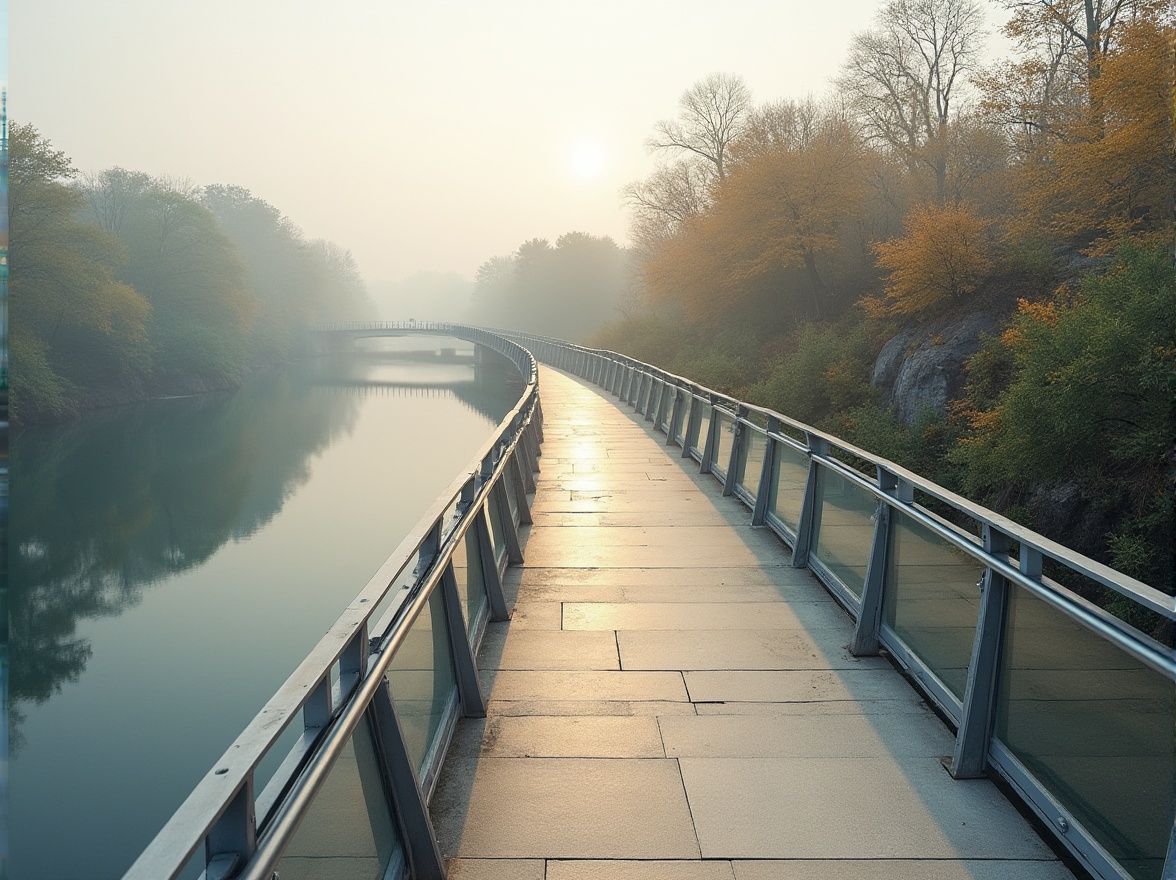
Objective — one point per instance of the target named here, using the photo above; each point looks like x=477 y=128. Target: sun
x=587 y=159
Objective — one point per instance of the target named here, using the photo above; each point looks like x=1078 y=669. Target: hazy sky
x=423 y=136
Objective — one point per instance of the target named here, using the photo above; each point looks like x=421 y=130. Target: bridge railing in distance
x=1071 y=704
x=359 y=730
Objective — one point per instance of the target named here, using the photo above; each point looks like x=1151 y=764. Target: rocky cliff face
x=923 y=367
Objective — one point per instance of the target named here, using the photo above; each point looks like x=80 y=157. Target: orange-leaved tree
x=1107 y=174
x=941 y=258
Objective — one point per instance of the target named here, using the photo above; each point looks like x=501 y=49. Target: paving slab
x=537 y=649
x=803 y=736
x=796 y=686
x=534 y=615
x=548 y=707
x=585 y=554
x=908 y=869
x=736 y=650
x=627 y=686
x=573 y=808
x=656 y=593
x=865 y=808
x=496 y=869
x=570 y=736
x=733 y=576
x=648 y=870
x=685 y=616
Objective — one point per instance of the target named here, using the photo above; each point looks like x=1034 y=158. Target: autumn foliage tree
x=1108 y=173
x=942 y=257
x=791 y=193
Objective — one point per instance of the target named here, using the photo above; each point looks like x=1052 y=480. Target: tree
x=294 y=282
x=941 y=258
x=904 y=74
x=190 y=272
x=75 y=327
x=568 y=290
x=712 y=113
x=1108 y=172
x=664 y=201
x=783 y=208
x=111 y=195
x=1091 y=400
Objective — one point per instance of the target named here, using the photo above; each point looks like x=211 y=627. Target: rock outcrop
x=923 y=366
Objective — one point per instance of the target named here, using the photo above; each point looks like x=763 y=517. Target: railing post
x=737 y=430
x=465 y=666
x=1170 y=861
x=865 y=636
x=693 y=419
x=804 y=527
x=510 y=533
x=759 y=513
x=408 y=800
x=525 y=464
x=972 y=739
x=233 y=839
x=708 y=450
x=429 y=548
x=490 y=577
x=675 y=418
x=657 y=385
x=517 y=469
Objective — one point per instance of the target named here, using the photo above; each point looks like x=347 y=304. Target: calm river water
x=172 y=562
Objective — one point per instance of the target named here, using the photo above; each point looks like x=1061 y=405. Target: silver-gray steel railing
x=1070 y=704
x=425 y=609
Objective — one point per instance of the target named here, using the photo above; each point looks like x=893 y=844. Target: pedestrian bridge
x=702 y=641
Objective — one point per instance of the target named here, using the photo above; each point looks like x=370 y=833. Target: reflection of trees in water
x=125 y=498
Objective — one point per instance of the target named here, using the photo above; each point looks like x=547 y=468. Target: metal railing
x=359 y=730
x=1071 y=705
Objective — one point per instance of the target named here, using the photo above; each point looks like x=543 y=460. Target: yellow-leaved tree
x=941 y=259
x=1107 y=173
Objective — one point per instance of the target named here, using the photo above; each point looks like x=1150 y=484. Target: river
x=172 y=562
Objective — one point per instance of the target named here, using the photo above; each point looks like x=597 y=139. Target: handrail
x=222 y=812
x=676 y=406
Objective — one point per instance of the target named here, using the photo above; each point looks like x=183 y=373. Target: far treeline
x=780 y=246
x=125 y=286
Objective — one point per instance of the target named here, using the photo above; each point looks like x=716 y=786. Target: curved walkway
x=673 y=700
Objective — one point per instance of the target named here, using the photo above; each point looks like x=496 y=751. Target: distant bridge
x=327 y=338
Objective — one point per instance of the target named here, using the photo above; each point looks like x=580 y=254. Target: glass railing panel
x=471 y=584
x=1094 y=726
x=668 y=411
x=509 y=489
x=348 y=830
x=422 y=680
x=655 y=396
x=751 y=460
x=789 y=476
x=704 y=418
x=843 y=528
x=724 y=440
x=683 y=419
x=932 y=600
x=497 y=531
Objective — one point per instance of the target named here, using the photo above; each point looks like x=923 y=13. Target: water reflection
x=172 y=562
x=116 y=502
x=129 y=496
